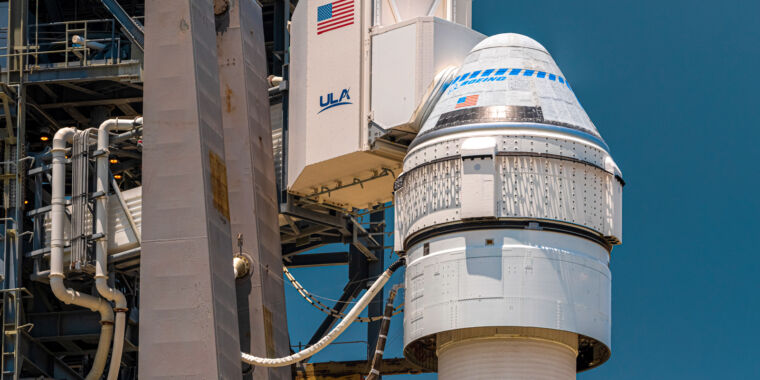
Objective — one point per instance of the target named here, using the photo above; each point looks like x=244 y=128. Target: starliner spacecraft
x=508 y=208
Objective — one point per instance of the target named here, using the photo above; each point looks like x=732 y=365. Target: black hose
x=374 y=370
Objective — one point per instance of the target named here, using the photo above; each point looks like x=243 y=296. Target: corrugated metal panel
x=120 y=234
x=505 y=358
x=537 y=177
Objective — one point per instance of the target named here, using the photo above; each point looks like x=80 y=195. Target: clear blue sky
x=672 y=86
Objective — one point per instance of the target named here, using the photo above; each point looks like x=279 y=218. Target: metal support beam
x=125 y=71
x=290 y=208
x=39 y=361
x=318 y=260
x=80 y=89
x=132 y=28
x=375 y=268
x=48 y=91
x=350 y=291
x=96 y=102
x=76 y=115
x=127 y=109
x=69 y=329
x=16 y=39
x=291 y=249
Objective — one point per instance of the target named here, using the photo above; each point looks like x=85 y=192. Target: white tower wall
x=356 y=73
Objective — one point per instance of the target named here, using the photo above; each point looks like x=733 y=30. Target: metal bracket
x=375 y=131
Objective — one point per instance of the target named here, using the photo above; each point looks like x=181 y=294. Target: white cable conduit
x=66 y=295
x=334 y=333
x=101 y=248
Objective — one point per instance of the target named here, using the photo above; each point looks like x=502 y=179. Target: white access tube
x=66 y=295
x=101 y=248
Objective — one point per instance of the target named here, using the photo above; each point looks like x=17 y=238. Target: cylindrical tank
x=507 y=209
x=506 y=353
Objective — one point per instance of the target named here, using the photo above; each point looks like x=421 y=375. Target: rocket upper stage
x=512 y=79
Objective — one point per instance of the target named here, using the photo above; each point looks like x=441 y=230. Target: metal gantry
x=49 y=81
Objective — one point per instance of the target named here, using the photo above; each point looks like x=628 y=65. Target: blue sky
x=672 y=87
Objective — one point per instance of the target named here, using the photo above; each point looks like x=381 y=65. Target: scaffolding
x=77 y=63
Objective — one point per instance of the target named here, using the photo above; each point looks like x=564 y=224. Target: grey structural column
x=188 y=316
x=252 y=185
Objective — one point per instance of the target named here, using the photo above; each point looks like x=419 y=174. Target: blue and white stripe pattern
x=498 y=75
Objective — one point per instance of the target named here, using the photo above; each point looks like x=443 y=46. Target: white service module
x=508 y=207
x=357 y=65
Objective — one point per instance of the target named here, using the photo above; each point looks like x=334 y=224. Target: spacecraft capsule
x=507 y=209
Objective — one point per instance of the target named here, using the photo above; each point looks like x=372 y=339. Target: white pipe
x=101 y=248
x=274 y=81
x=334 y=333
x=433 y=8
x=90 y=44
x=70 y=296
x=394 y=11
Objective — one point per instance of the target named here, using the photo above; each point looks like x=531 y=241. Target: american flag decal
x=335 y=15
x=467 y=101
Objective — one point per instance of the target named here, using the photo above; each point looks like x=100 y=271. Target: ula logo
x=331 y=100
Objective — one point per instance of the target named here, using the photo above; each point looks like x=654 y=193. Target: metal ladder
x=11 y=314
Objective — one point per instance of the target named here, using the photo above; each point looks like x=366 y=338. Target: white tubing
x=118 y=345
x=90 y=44
x=70 y=296
x=101 y=248
x=331 y=336
x=120 y=324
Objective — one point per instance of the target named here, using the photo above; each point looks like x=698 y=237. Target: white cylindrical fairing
x=508 y=208
x=507 y=358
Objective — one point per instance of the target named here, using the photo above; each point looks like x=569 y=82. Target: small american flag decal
x=467 y=101
x=335 y=15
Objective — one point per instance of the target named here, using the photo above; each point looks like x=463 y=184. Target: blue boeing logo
x=331 y=100
x=500 y=75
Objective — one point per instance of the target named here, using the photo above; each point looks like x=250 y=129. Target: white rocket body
x=508 y=208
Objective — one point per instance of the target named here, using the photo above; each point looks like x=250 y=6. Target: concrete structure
x=186 y=277
x=251 y=184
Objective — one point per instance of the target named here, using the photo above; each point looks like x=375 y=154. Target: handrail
x=42 y=38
